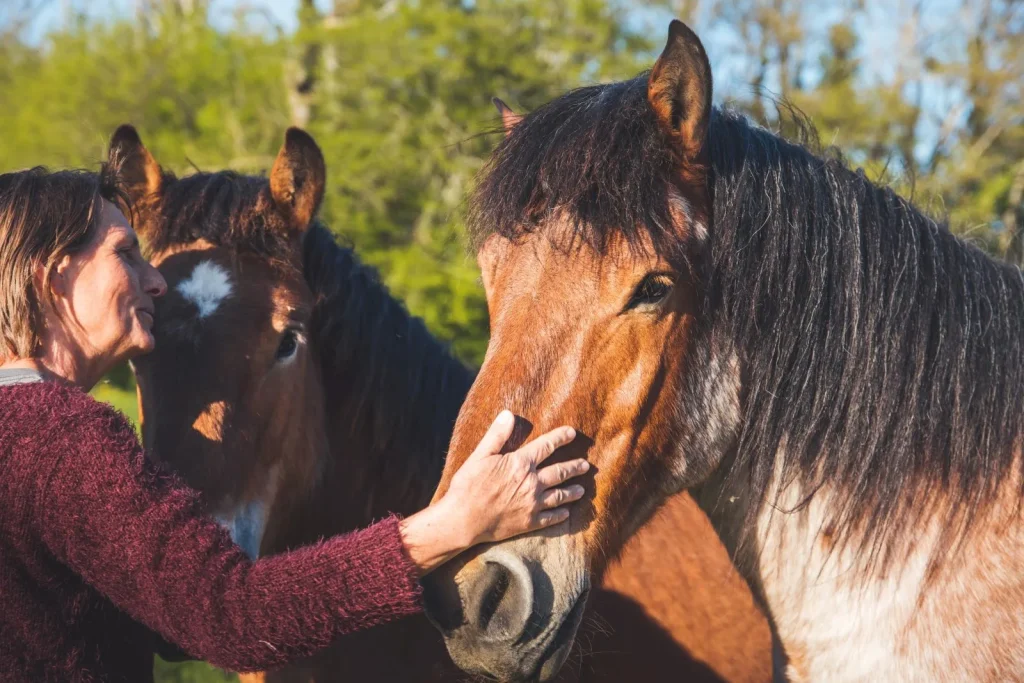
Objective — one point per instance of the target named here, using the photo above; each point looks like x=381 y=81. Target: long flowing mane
x=882 y=356
x=397 y=386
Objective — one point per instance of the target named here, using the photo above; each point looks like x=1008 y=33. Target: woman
x=100 y=553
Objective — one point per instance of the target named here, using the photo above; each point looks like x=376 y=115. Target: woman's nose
x=155 y=284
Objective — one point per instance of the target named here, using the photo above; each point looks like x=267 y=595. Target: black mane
x=397 y=385
x=882 y=352
x=595 y=156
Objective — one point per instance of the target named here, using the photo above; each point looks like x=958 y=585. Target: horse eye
x=289 y=344
x=653 y=289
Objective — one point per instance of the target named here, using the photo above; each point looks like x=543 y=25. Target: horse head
x=231 y=398
x=591 y=219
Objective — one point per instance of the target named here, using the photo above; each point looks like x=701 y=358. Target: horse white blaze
x=247 y=521
x=246 y=525
x=207 y=287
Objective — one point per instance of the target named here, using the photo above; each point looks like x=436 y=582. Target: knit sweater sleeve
x=139 y=537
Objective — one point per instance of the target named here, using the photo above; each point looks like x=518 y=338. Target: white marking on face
x=207 y=287
x=247 y=521
x=246 y=526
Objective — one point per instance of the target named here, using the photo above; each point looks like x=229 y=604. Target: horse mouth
x=557 y=651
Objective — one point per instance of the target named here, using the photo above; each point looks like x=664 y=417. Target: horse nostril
x=499 y=579
x=504 y=600
x=442 y=605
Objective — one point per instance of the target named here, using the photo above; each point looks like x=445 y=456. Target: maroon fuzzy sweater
x=99 y=553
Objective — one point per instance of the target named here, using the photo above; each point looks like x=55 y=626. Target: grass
x=122 y=398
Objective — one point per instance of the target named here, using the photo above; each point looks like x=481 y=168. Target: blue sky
x=881 y=34
x=281 y=11
x=282 y=14
x=729 y=64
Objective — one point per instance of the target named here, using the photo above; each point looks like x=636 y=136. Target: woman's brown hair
x=44 y=216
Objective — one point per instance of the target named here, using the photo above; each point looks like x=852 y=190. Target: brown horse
x=303 y=400
x=836 y=376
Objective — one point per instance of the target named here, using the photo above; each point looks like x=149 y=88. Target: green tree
x=398 y=95
x=932 y=103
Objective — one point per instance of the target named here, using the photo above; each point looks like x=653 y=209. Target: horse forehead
x=206 y=286
x=574 y=269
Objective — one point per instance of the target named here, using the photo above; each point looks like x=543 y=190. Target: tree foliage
x=926 y=95
x=398 y=95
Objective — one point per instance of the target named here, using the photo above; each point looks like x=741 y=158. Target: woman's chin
x=148 y=345
x=143 y=342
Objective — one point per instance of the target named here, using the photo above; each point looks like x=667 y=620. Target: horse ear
x=297 y=179
x=133 y=165
x=509 y=118
x=679 y=90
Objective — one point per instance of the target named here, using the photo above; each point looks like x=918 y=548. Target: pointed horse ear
x=509 y=118
x=297 y=179
x=679 y=90
x=134 y=167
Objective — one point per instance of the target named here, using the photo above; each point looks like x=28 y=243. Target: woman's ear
x=56 y=283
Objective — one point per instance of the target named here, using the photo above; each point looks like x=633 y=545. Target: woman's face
x=105 y=294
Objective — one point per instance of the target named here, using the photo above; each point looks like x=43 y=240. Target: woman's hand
x=501 y=496
x=493 y=496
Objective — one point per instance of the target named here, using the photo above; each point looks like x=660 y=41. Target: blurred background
x=925 y=95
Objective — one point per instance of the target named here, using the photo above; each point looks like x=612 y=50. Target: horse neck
x=392 y=391
x=879 y=352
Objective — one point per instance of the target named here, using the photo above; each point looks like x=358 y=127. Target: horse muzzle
x=503 y=618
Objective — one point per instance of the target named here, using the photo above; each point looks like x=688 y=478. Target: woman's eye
x=653 y=289
x=288 y=346
x=129 y=253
